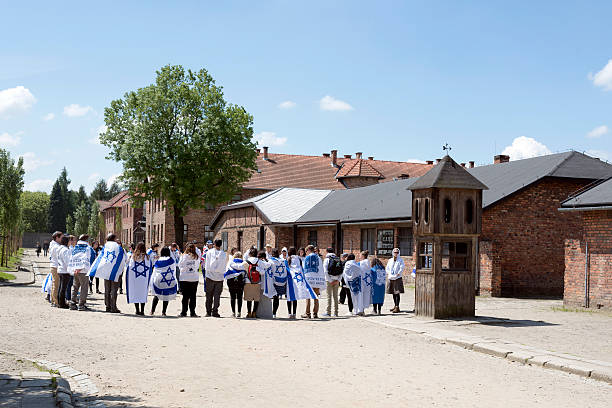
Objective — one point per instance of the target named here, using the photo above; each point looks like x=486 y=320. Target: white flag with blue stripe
x=353 y=276
x=366 y=283
x=110 y=262
x=297 y=286
x=268 y=279
x=163 y=281
x=137 y=279
x=47 y=283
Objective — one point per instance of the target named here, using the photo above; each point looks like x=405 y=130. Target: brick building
x=522 y=246
x=588 y=257
x=274 y=171
x=122 y=219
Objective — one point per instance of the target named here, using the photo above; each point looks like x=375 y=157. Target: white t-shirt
x=189 y=268
x=53 y=247
x=63 y=259
x=216 y=262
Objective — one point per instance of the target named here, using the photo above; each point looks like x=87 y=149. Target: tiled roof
x=596 y=195
x=115 y=201
x=358 y=168
x=300 y=171
x=448 y=174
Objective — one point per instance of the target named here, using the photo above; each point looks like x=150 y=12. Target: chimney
x=463 y=165
x=265 y=149
x=370 y=157
x=358 y=155
x=501 y=158
x=438 y=161
x=334 y=155
x=326 y=155
x=471 y=164
x=347 y=156
x=429 y=162
x=258 y=151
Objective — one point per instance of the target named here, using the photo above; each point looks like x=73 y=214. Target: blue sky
x=394 y=80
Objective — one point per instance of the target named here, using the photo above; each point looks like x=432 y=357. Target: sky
x=392 y=79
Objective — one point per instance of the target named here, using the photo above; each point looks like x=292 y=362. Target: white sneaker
x=233 y=314
x=274 y=316
x=326 y=315
x=349 y=313
x=238 y=315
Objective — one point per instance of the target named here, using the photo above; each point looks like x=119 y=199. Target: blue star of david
x=299 y=277
x=165 y=277
x=355 y=285
x=269 y=272
x=140 y=271
x=110 y=256
x=279 y=269
x=367 y=279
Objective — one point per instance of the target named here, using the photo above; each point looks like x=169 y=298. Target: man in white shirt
x=332 y=279
x=216 y=262
x=53 y=247
x=81 y=258
x=268 y=251
x=63 y=259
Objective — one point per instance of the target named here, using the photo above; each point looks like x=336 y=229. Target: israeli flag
x=138 y=279
x=110 y=262
x=313 y=271
x=366 y=283
x=81 y=258
x=280 y=271
x=268 y=279
x=297 y=286
x=353 y=278
x=47 y=283
x=163 y=281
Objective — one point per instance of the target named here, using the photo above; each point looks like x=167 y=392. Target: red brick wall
x=598 y=235
x=490 y=270
x=527 y=234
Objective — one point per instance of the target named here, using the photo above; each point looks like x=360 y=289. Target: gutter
x=603 y=207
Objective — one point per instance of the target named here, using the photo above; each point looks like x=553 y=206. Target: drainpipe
x=586 y=275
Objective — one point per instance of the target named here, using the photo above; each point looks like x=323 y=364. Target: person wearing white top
x=395 y=269
x=366 y=280
x=53 y=247
x=216 y=262
x=81 y=258
x=63 y=259
x=332 y=279
x=188 y=279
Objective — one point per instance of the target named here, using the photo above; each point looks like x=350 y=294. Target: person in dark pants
x=188 y=279
x=216 y=262
x=235 y=274
x=38 y=249
x=96 y=248
x=63 y=259
x=163 y=281
x=45 y=248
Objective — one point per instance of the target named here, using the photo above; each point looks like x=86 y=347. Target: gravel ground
x=172 y=362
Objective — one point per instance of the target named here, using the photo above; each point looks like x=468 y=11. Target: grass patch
x=6 y=276
x=605 y=312
x=13 y=263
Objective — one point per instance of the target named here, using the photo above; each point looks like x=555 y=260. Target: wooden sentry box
x=447 y=222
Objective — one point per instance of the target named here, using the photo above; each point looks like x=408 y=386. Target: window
x=239 y=246
x=447 y=210
x=209 y=234
x=185 y=232
x=404 y=239
x=425 y=255
x=385 y=242
x=224 y=239
x=312 y=237
x=455 y=255
x=368 y=240
x=469 y=211
x=426 y=211
x=416 y=211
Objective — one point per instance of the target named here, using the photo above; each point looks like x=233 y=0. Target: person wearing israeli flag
x=353 y=277
x=235 y=277
x=175 y=254
x=278 y=272
x=188 y=280
x=81 y=258
x=163 y=282
x=137 y=278
x=153 y=253
x=379 y=277
x=109 y=265
x=315 y=276
x=298 y=287
x=257 y=274
x=366 y=280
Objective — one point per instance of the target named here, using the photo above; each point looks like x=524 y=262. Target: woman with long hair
x=137 y=277
x=163 y=282
x=188 y=279
x=379 y=277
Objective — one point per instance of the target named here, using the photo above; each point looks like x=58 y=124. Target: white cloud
x=15 y=100
x=39 y=185
x=49 y=116
x=96 y=138
x=600 y=154
x=113 y=178
x=329 y=103
x=8 y=140
x=269 y=139
x=524 y=147
x=598 y=132
x=31 y=162
x=603 y=78
x=94 y=177
x=75 y=110
x=415 y=161
x=287 y=105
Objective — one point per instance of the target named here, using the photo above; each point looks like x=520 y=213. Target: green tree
x=68 y=196
x=93 y=227
x=100 y=191
x=179 y=139
x=57 y=209
x=34 y=211
x=11 y=186
x=114 y=189
x=82 y=197
x=70 y=225
x=81 y=219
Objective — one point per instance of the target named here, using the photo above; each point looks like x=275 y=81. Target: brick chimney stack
x=429 y=161
x=258 y=150
x=326 y=155
x=265 y=149
x=463 y=165
x=471 y=164
x=358 y=155
x=438 y=161
x=370 y=157
x=334 y=155
x=348 y=156
x=501 y=158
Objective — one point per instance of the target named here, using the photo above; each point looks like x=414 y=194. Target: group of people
x=165 y=272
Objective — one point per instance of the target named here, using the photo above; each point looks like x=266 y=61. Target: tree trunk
x=179 y=227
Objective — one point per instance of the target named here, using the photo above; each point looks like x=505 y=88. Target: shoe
x=248 y=315
x=150 y=313
x=392 y=309
x=216 y=315
x=306 y=316
x=83 y=308
x=238 y=315
x=254 y=315
x=98 y=292
x=63 y=307
x=325 y=315
x=314 y=316
x=193 y=315
x=208 y=314
x=108 y=310
x=53 y=305
x=73 y=307
x=274 y=316
x=336 y=314
x=349 y=314
x=380 y=312
x=396 y=309
x=115 y=311
x=121 y=292
x=233 y=314
x=182 y=315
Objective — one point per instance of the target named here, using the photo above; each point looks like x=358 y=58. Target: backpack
x=335 y=266
x=253 y=273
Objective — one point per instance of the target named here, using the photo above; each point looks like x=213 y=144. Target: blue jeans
x=68 y=294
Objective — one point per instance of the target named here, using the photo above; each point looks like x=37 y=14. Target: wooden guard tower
x=447 y=218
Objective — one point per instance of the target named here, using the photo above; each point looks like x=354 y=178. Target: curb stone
x=596 y=370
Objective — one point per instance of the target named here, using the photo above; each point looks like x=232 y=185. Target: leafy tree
x=68 y=196
x=114 y=189
x=82 y=197
x=34 y=211
x=57 y=209
x=179 y=139
x=81 y=219
x=100 y=191
x=11 y=186
x=70 y=225
x=94 y=227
